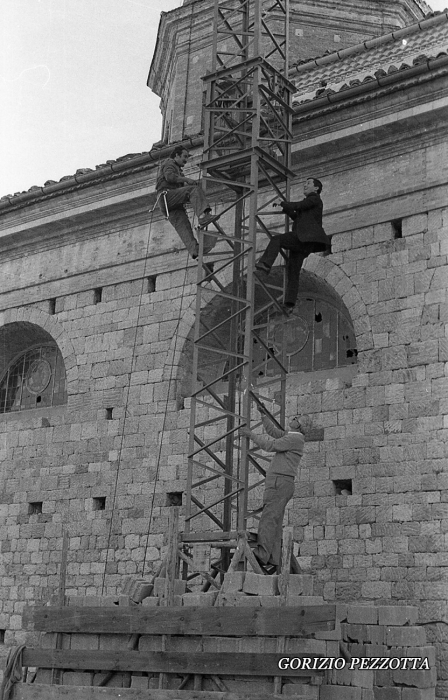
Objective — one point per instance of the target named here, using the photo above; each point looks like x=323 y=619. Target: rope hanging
x=13 y=672
x=126 y=403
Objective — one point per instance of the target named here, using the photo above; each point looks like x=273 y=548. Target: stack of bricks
x=241 y=588
x=158 y=594
x=406 y=666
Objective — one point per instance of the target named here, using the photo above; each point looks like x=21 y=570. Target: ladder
x=238 y=356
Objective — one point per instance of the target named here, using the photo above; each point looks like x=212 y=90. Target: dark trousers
x=175 y=200
x=278 y=491
x=298 y=251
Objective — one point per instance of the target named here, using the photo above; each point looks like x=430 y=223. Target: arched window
x=34 y=379
x=317 y=336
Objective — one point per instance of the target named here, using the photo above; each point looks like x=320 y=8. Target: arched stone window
x=318 y=336
x=32 y=372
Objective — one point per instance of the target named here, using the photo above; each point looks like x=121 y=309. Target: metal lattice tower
x=239 y=321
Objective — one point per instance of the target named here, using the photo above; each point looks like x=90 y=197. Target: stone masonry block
x=137 y=589
x=397 y=615
x=300 y=691
x=84 y=641
x=300 y=600
x=249 y=601
x=405 y=636
x=362 y=614
x=418 y=694
x=300 y=645
x=149 y=642
x=343 y=692
x=231 y=599
x=414 y=224
x=201 y=600
x=330 y=635
x=367 y=694
x=356 y=677
x=427 y=652
x=150 y=602
x=77 y=678
x=233 y=581
x=387 y=693
x=113 y=642
x=139 y=682
x=300 y=584
x=269 y=601
x=159 y=587
x=354 y=633
x=259 y=584
x=44 y=676
x=416 y=678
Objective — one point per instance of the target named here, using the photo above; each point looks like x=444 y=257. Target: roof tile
x=375 y=58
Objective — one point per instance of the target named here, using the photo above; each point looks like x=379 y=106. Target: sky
x=73 y=90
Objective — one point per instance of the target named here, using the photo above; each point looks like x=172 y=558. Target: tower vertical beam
x=237 y=356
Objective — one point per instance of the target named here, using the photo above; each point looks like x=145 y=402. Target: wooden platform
x=215 y=653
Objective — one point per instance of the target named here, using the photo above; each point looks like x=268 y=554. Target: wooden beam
x=24 y=691
x=205 y=663
x=171 y=557
x=239 y=622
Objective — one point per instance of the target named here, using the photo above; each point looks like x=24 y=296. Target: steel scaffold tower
x=237 y=356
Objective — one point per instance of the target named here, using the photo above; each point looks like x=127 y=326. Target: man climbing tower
x=307 y=236
x=279 y=486
x=174 y=190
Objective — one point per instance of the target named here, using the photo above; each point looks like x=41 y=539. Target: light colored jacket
x=287 y=446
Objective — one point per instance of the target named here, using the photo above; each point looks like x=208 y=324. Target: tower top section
x=184 y=46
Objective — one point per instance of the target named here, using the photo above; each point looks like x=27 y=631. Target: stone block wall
x=121 y=437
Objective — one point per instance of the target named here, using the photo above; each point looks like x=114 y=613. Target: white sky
x=73 y=88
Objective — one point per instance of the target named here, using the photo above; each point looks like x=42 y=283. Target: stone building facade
x=97 y=309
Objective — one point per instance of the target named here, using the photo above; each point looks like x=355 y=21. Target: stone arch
x=184 y=328
x=326 y=269
x=43 y=326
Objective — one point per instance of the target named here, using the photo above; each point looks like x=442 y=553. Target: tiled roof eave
x=373 y=84
x=79 y=180
x=370 y=44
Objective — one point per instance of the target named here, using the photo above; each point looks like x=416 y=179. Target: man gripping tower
x=174 y=190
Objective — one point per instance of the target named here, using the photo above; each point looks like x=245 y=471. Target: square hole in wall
x=52 y=306
x=109 y=413
x=99 y=503
x=2 y=636
x=97 y=295
x=343 y=487
x=397 y=228
x=151 y=284
x=174 y=498
x=35 y=508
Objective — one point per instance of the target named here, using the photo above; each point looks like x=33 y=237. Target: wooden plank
x=229 y=621
x=48 y=692
x=209 y=663
x=56 y=675
x=171 y=557
x=283 y=585
x=283 y=579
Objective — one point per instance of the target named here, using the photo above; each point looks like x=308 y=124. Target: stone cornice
x=115 y=170
x=123 y=171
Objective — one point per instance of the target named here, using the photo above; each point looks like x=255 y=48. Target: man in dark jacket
x=307 y=236
x=175 y=190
